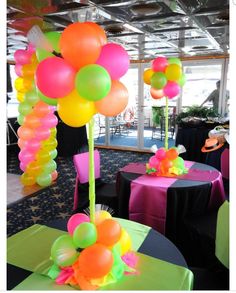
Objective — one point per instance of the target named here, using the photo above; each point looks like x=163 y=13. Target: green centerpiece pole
x=166 y=124
x=91 y=172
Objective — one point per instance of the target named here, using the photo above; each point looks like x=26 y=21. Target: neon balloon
x=114 y=59
x=27 y=179
x=156 y=94
x=55 y=77
x=44 y=179
x=159 y=64
x=54 y=175
x=172 y=89
x=41 y=109
x=25 y=133
x=173 y=72
x=101 y=215
x=18 y=69
x=99 y=31
x=84 y=235
x=160 y=154
x=75 y=221
x=109 y=232
x=22 y=57
x=147 y=76
x=158 y=80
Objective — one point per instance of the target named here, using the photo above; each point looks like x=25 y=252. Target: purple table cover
x=148 y=198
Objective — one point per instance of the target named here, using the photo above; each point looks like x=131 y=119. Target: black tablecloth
x=155 y=245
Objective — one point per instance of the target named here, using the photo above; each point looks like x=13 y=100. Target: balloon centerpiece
x=166 y=79
x=78 y=72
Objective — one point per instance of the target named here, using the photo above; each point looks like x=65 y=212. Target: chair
x=224 y=163
x=105 y=193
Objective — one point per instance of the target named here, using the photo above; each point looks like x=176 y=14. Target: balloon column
x=166 y=79
x=92 y=255
x=37 y=132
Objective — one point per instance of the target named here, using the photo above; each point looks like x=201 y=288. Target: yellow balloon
x=125 y=241
x=27 y=179
x=74 y=110
x=28 y=70
x=50 y=144
x=100 y=216
x=53 y=132
x=23 y=85
x=20 y=97
x=173 y=72
x=43 y=156
x=147 y=76
x=34 y=169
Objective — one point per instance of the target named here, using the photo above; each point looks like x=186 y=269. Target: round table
x=157 y=256
x=164 y=203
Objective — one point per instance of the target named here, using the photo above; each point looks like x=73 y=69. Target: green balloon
x=20 y=119
x=24 y=108
x=85 y=235
x=182 y=80
x=31 y=97
x=50 y=166
x=53 y=154
x=53 y=38
x=47 y=100
x=174 y=60
x=44 y=179
x=178 y=163
x=158 y=80
x=93 y=82
x=63 y=251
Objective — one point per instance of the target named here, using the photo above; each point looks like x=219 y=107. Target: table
x=161 y=265
x=163 y=203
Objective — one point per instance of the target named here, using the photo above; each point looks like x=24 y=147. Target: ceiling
x=145 y=28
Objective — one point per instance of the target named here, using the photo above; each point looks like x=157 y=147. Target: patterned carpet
x=56 y=202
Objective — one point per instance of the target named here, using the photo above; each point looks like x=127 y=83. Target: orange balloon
x=25 y=133
x=95 y=261
x=32 y=121
x=109 y=232
x=80 y=44
x=156 y=94
x=41 y=109
x=115 y=102
x=100 y=32
x=28 y=70
x=171 y=154
x=147 y=76
x=165 y=165
x=21 y=143
x=54 y=175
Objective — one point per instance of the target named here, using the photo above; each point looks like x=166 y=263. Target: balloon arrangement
x=92 y=255
x=166 y=79
x=37 y=132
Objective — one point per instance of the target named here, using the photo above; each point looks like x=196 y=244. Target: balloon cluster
x=92 y=255
x=84 y=75
x=165 y=77
x=166 y=163
x=37 y=133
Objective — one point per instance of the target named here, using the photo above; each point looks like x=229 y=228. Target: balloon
x=160 y=154
x=26 y=156
x=24 y=108
x=53 y=132
x=174 y=60
x=80 y=44
x=27 y=179
x=125 y=241
x=109 y=232
x=165 y=164
x=116 y=100
x=53 y=38
x=33 y=169
x=182 y=80
x=25 y=133
x=55 y=77
x=54 y=175
x=173 y=72
x=49 y=121
x=154 y=162
x=43 y=156
x=33 y=145
x=23 y=85
x=44 y=179
x=84 y=235
x=42 y=133
x=50 y=166
x=63 y=252
x=93 y=82
x=31 y=97
x=159 y=64
x=50 y=144
x=32 y=121
x=18 y=69
x=53 y=154
x=23 y=167
x=99 y=32
x=20 y=119
x=75 y=221
x=172 y=89
x=74 y=110
x=47 y=100
x=28 y=70
x=22 y=57
x=95 y=261
x=178 y=163
x=172 y=154
x=20 y=97
x=156 y=94
x=21 y=143
x=100 y=216
x=147 y=74
x=114 y=59
x=158 y=80
x=41 y=109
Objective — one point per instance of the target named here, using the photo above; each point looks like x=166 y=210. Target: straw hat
x=211 y=144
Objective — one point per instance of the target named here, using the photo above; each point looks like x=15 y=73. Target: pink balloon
x=31 y=48
x=154 y=162
x=22 y=57
x=75 y=220
x=49 y=121
x=23 y=166
x=55 y=77
x=33 y=145
x=160 y=154
x=42 y=133
x=159 y=64
x=18 y=69
x=114 y=59
x=172 y=89
x=26 y=157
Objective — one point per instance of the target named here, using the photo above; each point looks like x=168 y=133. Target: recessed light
x=146 y=9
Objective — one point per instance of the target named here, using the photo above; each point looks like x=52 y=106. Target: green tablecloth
x=30 y=250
